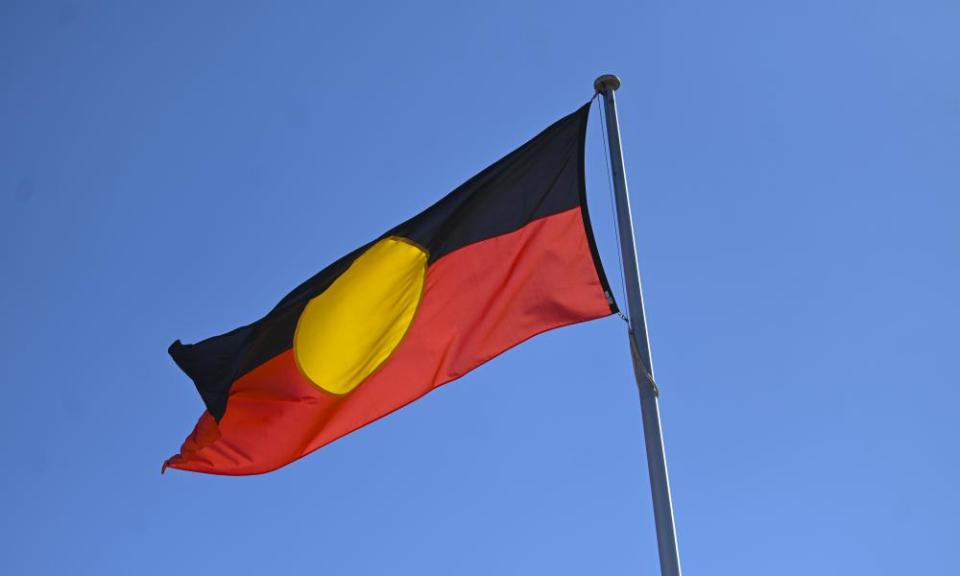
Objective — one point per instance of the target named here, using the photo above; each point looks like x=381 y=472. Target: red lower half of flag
x=478 y=301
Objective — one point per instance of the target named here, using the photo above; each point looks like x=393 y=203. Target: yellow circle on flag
x=347 y=332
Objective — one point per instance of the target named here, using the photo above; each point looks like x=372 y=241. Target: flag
x=507 y=255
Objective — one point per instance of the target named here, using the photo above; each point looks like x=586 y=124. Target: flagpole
x=606 y=85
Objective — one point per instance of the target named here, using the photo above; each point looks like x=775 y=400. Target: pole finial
x=606 y=82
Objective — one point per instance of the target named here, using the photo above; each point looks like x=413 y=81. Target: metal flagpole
x=606 y=85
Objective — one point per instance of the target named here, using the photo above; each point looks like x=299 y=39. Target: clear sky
x=171 y=170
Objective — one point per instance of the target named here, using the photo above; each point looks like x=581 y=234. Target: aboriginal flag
x=507 y=255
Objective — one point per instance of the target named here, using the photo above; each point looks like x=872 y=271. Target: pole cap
x=606 y=82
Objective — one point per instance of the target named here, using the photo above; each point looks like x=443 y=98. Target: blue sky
x=171 y=170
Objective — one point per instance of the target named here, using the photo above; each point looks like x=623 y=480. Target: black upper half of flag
x=543 y=177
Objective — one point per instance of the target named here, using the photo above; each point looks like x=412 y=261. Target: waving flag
x=507 y=255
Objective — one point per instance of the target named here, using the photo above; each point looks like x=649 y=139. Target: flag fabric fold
x=506 y=256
